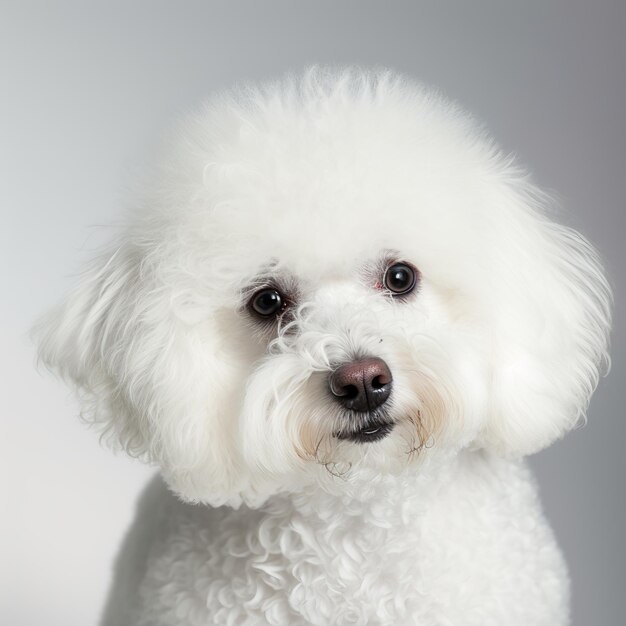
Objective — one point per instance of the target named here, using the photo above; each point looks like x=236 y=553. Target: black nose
x=361 y=385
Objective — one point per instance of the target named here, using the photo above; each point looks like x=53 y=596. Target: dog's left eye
x=267 y=302
x=400 y=279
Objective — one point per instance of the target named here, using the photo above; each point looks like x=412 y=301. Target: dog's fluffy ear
x=143 y=373
x=80 y=341
x=550 y=323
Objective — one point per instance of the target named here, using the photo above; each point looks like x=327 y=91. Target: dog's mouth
x=366 y=429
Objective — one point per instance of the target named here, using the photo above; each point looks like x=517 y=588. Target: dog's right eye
x=267 y=303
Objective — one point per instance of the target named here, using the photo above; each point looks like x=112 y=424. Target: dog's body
x=340 y=316
x=464 y=544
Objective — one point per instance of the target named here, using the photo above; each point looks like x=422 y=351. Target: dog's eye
x=400 y=279
x=267 y=302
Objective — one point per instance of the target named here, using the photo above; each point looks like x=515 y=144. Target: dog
x=337 y=319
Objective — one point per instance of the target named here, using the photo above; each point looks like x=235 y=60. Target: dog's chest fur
x=469 y=546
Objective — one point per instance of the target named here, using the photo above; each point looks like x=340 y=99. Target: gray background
x=87 y=90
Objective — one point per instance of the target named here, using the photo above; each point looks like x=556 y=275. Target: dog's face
x=333 y=276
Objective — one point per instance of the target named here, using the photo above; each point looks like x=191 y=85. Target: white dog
x=337 y=320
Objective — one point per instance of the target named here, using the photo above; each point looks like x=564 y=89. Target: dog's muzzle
x=362 y=387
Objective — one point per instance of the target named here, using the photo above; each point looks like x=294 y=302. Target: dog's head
x=332 y=274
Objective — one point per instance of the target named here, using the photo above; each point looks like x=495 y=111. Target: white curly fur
x=316 y=183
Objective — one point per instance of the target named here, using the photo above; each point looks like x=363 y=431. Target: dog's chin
x=365 y=427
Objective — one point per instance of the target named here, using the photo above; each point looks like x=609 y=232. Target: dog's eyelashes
x=267 y=303
x=400 y=279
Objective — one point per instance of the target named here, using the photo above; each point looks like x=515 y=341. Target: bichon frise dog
x=337 y=320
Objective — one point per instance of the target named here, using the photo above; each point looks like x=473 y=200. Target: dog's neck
x=385 y=500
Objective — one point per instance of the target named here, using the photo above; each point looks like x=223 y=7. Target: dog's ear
x=144 y=373
x=81 y=340
x=550 y=324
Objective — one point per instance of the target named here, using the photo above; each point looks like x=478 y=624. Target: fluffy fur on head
x=314 y=186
